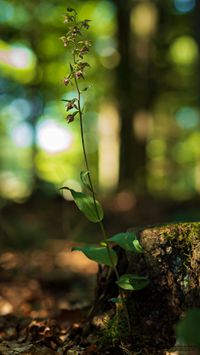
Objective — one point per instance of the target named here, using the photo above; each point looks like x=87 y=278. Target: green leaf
x=99 y=254
x=103 y=244
x=137 y=246
x=86 y=205
x=127 y=241
x=84 y=179
x=188 y=329
x=132 y=282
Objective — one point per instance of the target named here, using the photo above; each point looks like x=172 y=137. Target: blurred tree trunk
x=134 y=92
x=124 y=93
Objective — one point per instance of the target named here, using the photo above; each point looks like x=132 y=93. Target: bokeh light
x=52 y=137
x=21 y=107
x=144 y=19
x=22 y=135
x=184 y=6
x=13 y=186
x=17 y=59
x=188 y=117
x=184 y=51
x=108 y=147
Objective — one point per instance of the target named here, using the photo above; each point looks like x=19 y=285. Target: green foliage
x=99 y=254
x=127 y=241
x=188 y=329
x=132 y=282
x=86 y=204
x=84 y=178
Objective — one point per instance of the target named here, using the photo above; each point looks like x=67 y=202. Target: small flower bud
x=71 y=104
x=79 y=74
x=66 y=81
x=70 y=118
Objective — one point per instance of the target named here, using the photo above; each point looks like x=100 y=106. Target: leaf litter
x=44 y=295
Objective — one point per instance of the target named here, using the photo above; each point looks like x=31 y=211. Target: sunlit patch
x=53 y=137
x=76 y=262
x=13 y=187
x=23 y=135
x=184 y=51
x=18 y=56
x=108 y=147
x=188 y=117
x=184 y=6
x=144 y=19
x=5 y=307
x=18 y=61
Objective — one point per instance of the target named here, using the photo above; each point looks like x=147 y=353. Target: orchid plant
x=87 y=202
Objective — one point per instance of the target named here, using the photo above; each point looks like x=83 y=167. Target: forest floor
x=43 y=293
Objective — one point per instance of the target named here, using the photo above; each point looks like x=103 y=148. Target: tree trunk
x=171 y=259
x=135 y=92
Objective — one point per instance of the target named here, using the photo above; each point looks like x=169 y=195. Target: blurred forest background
x=142 y=121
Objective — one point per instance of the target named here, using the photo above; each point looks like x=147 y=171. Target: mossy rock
x=171 y=259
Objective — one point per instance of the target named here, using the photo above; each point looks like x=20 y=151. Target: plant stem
x=105 y=237
x=90 y=179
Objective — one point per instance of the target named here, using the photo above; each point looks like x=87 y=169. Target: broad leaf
x=86 y=205
x=127 y=241
x=84 y=179
x=99 y=254
x=132 y=282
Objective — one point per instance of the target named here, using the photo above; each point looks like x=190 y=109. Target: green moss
x=187 y=232
x=180 y=241
x=115 y=328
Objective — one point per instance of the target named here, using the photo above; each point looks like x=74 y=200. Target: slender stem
x=89 y=176
x=105 y=237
